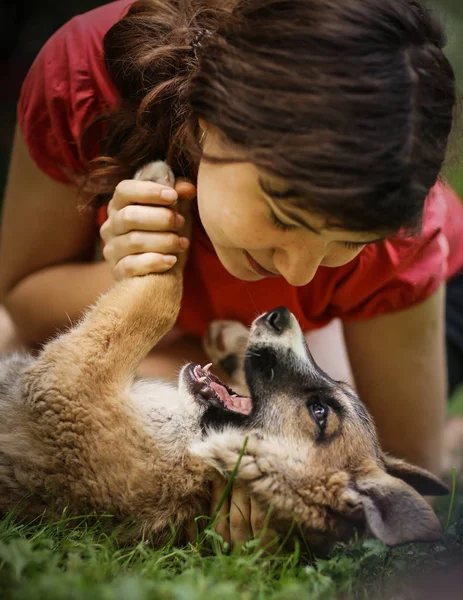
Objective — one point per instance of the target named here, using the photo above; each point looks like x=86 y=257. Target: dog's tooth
x=201 y=379
x=207 y=367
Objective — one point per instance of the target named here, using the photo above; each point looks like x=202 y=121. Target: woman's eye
x=280 y=225
x=355 y=246
x=319 y=412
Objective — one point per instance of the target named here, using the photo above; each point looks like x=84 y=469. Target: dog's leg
x=77 y=400
x=126 y=322
x=225 y=343
x=118 y=332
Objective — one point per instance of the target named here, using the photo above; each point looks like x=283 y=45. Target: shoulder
x=66 y=87
x=74 y=53
x=84 y=34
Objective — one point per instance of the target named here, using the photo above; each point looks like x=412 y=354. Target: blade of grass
x=229 y=485
x=452 y=496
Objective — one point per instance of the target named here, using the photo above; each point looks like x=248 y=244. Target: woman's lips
x=257 y=268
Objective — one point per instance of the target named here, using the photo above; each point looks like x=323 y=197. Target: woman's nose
x=297 y=265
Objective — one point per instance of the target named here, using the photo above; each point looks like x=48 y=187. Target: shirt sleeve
x=65 y=88
x=398 y=273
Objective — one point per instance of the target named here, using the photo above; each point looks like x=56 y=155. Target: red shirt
x=68 y=85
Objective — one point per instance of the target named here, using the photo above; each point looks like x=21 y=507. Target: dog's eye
x=319 y=412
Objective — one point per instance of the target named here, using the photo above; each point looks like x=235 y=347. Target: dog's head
x=308 y=445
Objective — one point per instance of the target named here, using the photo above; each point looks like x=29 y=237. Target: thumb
x=185 y=189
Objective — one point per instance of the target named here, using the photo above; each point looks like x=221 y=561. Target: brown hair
x=350 y=103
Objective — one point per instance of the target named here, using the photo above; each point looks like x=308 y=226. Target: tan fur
x=78 y=430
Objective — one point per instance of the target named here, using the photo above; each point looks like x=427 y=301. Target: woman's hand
x=145 y=228
x=241 y=518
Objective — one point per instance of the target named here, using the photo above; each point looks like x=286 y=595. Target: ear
x=395 y=513
x=421 y=480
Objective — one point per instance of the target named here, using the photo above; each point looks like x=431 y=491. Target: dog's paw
x=225 y=343
x=224 y=450
x=157 y=171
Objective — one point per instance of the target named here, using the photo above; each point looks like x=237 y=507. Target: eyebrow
x=276 y=195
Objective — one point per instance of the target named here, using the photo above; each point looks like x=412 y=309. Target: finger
x=269 y=539
x=132 y=191
x=145 y=218
x=185 y=189
x=240 y=516
x=221 y=525
x=136 y=265
x=140 y=242
x=190 y=531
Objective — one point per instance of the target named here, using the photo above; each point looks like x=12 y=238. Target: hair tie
x=203 y=137
x=197 y=41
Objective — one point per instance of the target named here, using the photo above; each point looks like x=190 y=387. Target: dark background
x=26 y=25
x=24 y=28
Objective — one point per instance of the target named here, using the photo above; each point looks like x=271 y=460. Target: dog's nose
x=278 y=319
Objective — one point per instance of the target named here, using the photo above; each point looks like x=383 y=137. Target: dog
x=79 y=430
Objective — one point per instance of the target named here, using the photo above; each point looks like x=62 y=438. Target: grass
x=76 y=559
x=454 y=175
x=456 y=402
x=73 y=561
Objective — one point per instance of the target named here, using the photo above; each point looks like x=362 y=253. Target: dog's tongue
x=239 y=404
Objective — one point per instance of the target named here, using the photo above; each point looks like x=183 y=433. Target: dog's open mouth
x=208 y=388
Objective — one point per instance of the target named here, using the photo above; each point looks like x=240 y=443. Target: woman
x=314 y=131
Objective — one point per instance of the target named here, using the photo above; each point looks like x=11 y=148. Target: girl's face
x=256 y=236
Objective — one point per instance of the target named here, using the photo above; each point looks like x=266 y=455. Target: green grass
x=454 y=175
x=73 y=560
x=456 y=402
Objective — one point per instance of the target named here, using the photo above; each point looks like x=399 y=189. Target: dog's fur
x=78 y=430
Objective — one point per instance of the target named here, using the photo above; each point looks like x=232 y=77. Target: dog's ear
x=394 y=512
x=421 y=480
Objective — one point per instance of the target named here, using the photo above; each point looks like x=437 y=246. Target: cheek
x=228 y=220
x=210 y=207
x=208 y=212
x=221 y=222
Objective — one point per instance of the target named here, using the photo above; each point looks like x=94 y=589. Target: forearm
x=409 y=414
x=398 y=362
x=48 y=300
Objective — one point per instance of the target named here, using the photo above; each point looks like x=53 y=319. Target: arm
x=398 y=361
x=47 y=276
